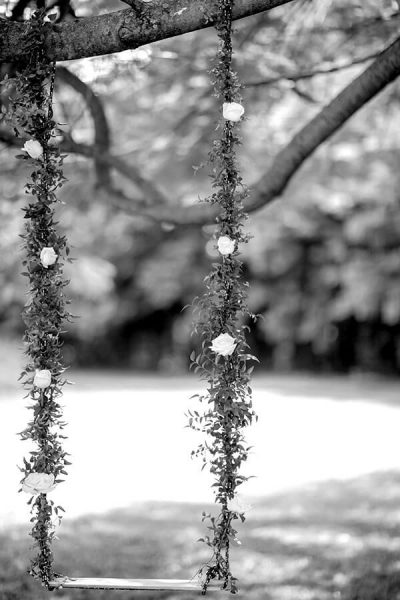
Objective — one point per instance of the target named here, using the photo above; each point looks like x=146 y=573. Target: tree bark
x=125 y=29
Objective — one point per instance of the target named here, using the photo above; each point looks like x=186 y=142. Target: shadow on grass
x=336 y=540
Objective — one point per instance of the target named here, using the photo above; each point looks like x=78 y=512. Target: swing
x=102 y=583
x=224 y=355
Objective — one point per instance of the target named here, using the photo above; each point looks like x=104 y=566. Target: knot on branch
x=126 y=35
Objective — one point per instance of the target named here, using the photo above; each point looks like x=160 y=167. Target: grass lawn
x=336 y=540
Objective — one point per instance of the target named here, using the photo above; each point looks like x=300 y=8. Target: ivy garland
x=220 y=312
x=31 y=115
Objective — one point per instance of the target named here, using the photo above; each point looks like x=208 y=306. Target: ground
x=326 y=541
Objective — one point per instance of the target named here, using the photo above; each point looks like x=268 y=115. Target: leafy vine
x=31 y=115
x=224 y=361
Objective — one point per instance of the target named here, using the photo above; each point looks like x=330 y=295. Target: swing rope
x=31 y=115
x=221 y=314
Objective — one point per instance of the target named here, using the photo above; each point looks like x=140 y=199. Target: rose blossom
x=38 y=483
x=238 y=505
x=224 y=344
x=42 y=378
x=225 y=245
x=232 y=111
x=33 y=148
x=48 y=256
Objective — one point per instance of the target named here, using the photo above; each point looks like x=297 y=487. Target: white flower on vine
x=232 y=111
x=33 y=148
x=38 y=483
x=225 y=245
x=42 y=378
x=48 y=256
x=224 y=344
x=238 y=505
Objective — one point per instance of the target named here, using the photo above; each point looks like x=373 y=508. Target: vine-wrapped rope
x=220 y=312
x=31 y=114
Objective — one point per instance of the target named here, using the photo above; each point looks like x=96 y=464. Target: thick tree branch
x=124 y=29
x=384 y=70
x=100 y=124
x=331 y=118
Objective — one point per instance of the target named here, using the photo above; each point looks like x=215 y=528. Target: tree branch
x=331 y=118
x=384 y=70
x=150 y=194
x=362 y=89
x=124 y=29
x=100 y=124
x=359 y=24
x=312 y=72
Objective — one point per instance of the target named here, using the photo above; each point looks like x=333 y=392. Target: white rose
x=238 y=505
x=38 y=483
x=224 y=344
x=42 y=378
x=225 y=245
x=48 y=257
x=33 y=148
x=232 y=111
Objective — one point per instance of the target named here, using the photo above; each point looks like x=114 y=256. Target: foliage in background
x=341 y=209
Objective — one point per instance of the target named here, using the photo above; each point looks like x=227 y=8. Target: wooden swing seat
x=103 y=583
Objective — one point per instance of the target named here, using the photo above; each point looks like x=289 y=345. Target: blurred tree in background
x=323 y=264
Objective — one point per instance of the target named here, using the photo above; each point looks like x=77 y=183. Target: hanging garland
x=224 y=359
x=31 y=115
